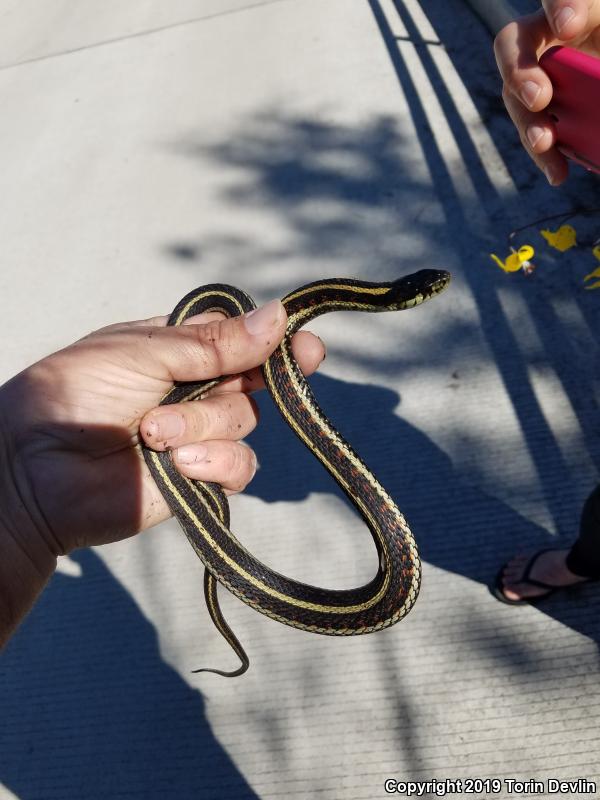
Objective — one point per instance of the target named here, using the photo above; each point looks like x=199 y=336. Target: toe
x=513 y=586
x=522 y=591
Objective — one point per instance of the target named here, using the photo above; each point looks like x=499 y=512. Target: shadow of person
x=90 y=709
x=458 y=527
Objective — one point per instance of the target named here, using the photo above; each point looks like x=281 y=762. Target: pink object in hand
x=575 y=104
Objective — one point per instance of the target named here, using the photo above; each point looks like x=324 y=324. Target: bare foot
x=549 y=567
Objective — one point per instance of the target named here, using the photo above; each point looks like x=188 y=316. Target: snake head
x=412 y=290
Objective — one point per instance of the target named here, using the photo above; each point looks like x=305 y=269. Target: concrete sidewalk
x=148 y=149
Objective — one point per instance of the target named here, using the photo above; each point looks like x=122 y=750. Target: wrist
x=23 y=575
x=26 y=560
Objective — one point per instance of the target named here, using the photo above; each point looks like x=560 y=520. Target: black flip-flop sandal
x=497 y=589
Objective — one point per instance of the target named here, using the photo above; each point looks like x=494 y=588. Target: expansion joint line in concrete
x=139 y=34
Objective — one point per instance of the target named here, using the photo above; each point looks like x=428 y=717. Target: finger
x=231 y=415
x=309 y=351
x=230 y=464
x=567 y=18
x=517 y=48
x=201 y=352
x=227 y=346
x=538 y=137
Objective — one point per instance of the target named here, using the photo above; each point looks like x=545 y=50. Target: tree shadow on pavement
x=351 y=196
x=457 y=526
x=90 y=710
x=567 y=339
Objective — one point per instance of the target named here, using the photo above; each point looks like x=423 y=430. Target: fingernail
x=191 y=454
x=263 y=319
x=534 y=134
x=561 y=19
x=165 y=426
x=550 y=174
x=529 y=92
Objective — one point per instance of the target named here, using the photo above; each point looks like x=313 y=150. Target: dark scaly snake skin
x=202 y=508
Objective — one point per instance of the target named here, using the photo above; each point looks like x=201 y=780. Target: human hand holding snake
x=72 y=450
x=71 y=426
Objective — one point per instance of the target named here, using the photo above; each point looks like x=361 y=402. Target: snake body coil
x=202 y=508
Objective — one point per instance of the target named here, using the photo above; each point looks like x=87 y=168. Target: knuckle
x=502 y=39
x=539 y=162
x=199 y=419
x=507 y=30
x=498 y=43
x=216 y=339
x=240 y=460
x=196 y=346
x=210 y=332
x=238 y=415
x=525 y=142
x=241 y=466
x=230 y=416
x=512 y=83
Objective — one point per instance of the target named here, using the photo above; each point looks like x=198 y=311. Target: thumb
x=219 y=347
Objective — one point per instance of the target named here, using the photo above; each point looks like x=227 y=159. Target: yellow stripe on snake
x=202 y=508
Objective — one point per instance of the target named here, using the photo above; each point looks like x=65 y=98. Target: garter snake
x=202 y=508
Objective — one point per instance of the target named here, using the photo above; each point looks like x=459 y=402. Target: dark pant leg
x=584 y=557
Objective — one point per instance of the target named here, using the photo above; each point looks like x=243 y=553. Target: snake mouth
x=412 y=290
